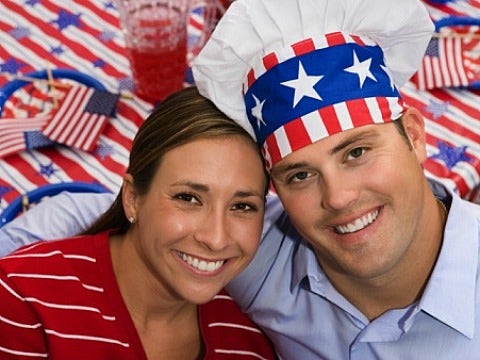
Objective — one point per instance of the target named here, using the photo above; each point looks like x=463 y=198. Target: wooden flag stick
x=51 y=84
x=57 y=84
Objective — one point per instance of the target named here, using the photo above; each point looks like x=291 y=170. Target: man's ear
x=129 y=197
x=414 y=125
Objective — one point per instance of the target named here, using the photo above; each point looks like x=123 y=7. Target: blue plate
x=16 y=206
x=9 y=88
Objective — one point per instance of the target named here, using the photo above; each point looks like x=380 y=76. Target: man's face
x=357 y=197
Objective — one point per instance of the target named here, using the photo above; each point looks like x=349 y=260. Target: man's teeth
x=202 y=265
x=358 y=224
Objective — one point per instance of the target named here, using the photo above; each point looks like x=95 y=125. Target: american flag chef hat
x=295 y=71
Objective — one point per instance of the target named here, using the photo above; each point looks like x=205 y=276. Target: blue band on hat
x=329 y=76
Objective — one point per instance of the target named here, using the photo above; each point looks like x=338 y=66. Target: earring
x=131 y=219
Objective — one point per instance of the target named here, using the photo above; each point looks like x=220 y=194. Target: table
x=84 y=36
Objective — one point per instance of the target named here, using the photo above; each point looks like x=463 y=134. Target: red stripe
x=384 y=106
x=303 y=47
x=251 y=77
x=297 y=134
x=358 y=40
x=335 y=38
x=273 y=149
x=330 y=119
x=270 y=60
x=359 y=112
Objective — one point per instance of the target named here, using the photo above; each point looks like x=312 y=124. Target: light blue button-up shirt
x=287 y=293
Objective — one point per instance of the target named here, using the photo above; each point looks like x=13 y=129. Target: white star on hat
x=361 y=68
x=303 y=85
x=257 y=111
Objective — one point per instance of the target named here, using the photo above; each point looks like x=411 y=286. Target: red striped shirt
x=60 y=299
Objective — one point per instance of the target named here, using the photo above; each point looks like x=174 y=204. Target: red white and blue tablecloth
x=84 y=36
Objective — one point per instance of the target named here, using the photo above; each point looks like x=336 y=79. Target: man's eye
x=298 y=177
x=356 y=153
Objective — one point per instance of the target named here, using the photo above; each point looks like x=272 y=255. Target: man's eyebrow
x=279 y=169
x=368 y=134
x=364 y=135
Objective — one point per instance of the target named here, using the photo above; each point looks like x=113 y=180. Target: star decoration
x=106 y=35
x=103 y=151
x=257 y=111
x=437 y=108
x=56 y=50
x=303 y=85
x=66 y=19
x=11 y=66
x=451 y=155
x=389 y=74
x=32 y=2
x=47 y=170
x=99 y=63
x=361 y=68
x=109 y=5
x=20 y=32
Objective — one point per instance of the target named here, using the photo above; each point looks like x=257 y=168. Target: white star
x=257 y=111
x=387 y=71
x=361 y=68
x=303 y=85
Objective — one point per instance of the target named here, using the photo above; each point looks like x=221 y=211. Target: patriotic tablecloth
x=451 y=110
x=83 y=36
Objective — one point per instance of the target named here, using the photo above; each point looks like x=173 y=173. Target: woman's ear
x=129 y=197
x=414 y=125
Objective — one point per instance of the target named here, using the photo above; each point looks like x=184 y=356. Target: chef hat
x=292 y=72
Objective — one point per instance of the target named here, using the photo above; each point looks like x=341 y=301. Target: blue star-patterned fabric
x=451 y=155
x=317 y=79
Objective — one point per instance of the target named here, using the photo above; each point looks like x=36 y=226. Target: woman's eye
x=244 y=207
x=356 y=153
x=186 y=197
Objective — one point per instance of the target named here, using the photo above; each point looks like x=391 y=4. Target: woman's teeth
x=202 y=265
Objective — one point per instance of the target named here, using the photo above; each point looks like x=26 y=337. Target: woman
x=139 y=283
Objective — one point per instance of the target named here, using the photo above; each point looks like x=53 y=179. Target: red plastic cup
x=155 y=35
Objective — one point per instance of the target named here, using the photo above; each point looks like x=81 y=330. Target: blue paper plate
x=9 y=88
x=16 y=206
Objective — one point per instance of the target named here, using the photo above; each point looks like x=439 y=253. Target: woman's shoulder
x=60 y=251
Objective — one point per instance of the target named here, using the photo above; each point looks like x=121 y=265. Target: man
x=364 y=260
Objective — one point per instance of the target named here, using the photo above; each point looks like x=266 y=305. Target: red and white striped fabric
x=21 y=134
x=445 y=64
x=60 y=300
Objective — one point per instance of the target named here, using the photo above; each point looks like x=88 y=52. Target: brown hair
x=181 y=118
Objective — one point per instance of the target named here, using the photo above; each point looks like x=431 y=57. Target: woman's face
x=200 y=223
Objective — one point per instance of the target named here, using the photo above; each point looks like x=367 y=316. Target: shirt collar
x=450 y=293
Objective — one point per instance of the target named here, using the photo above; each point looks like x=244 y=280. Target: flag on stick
x=80 y=118
x=17 y=135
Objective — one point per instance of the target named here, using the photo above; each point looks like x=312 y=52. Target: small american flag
x=450 y=61
x=17 y=135
x=81 y=117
